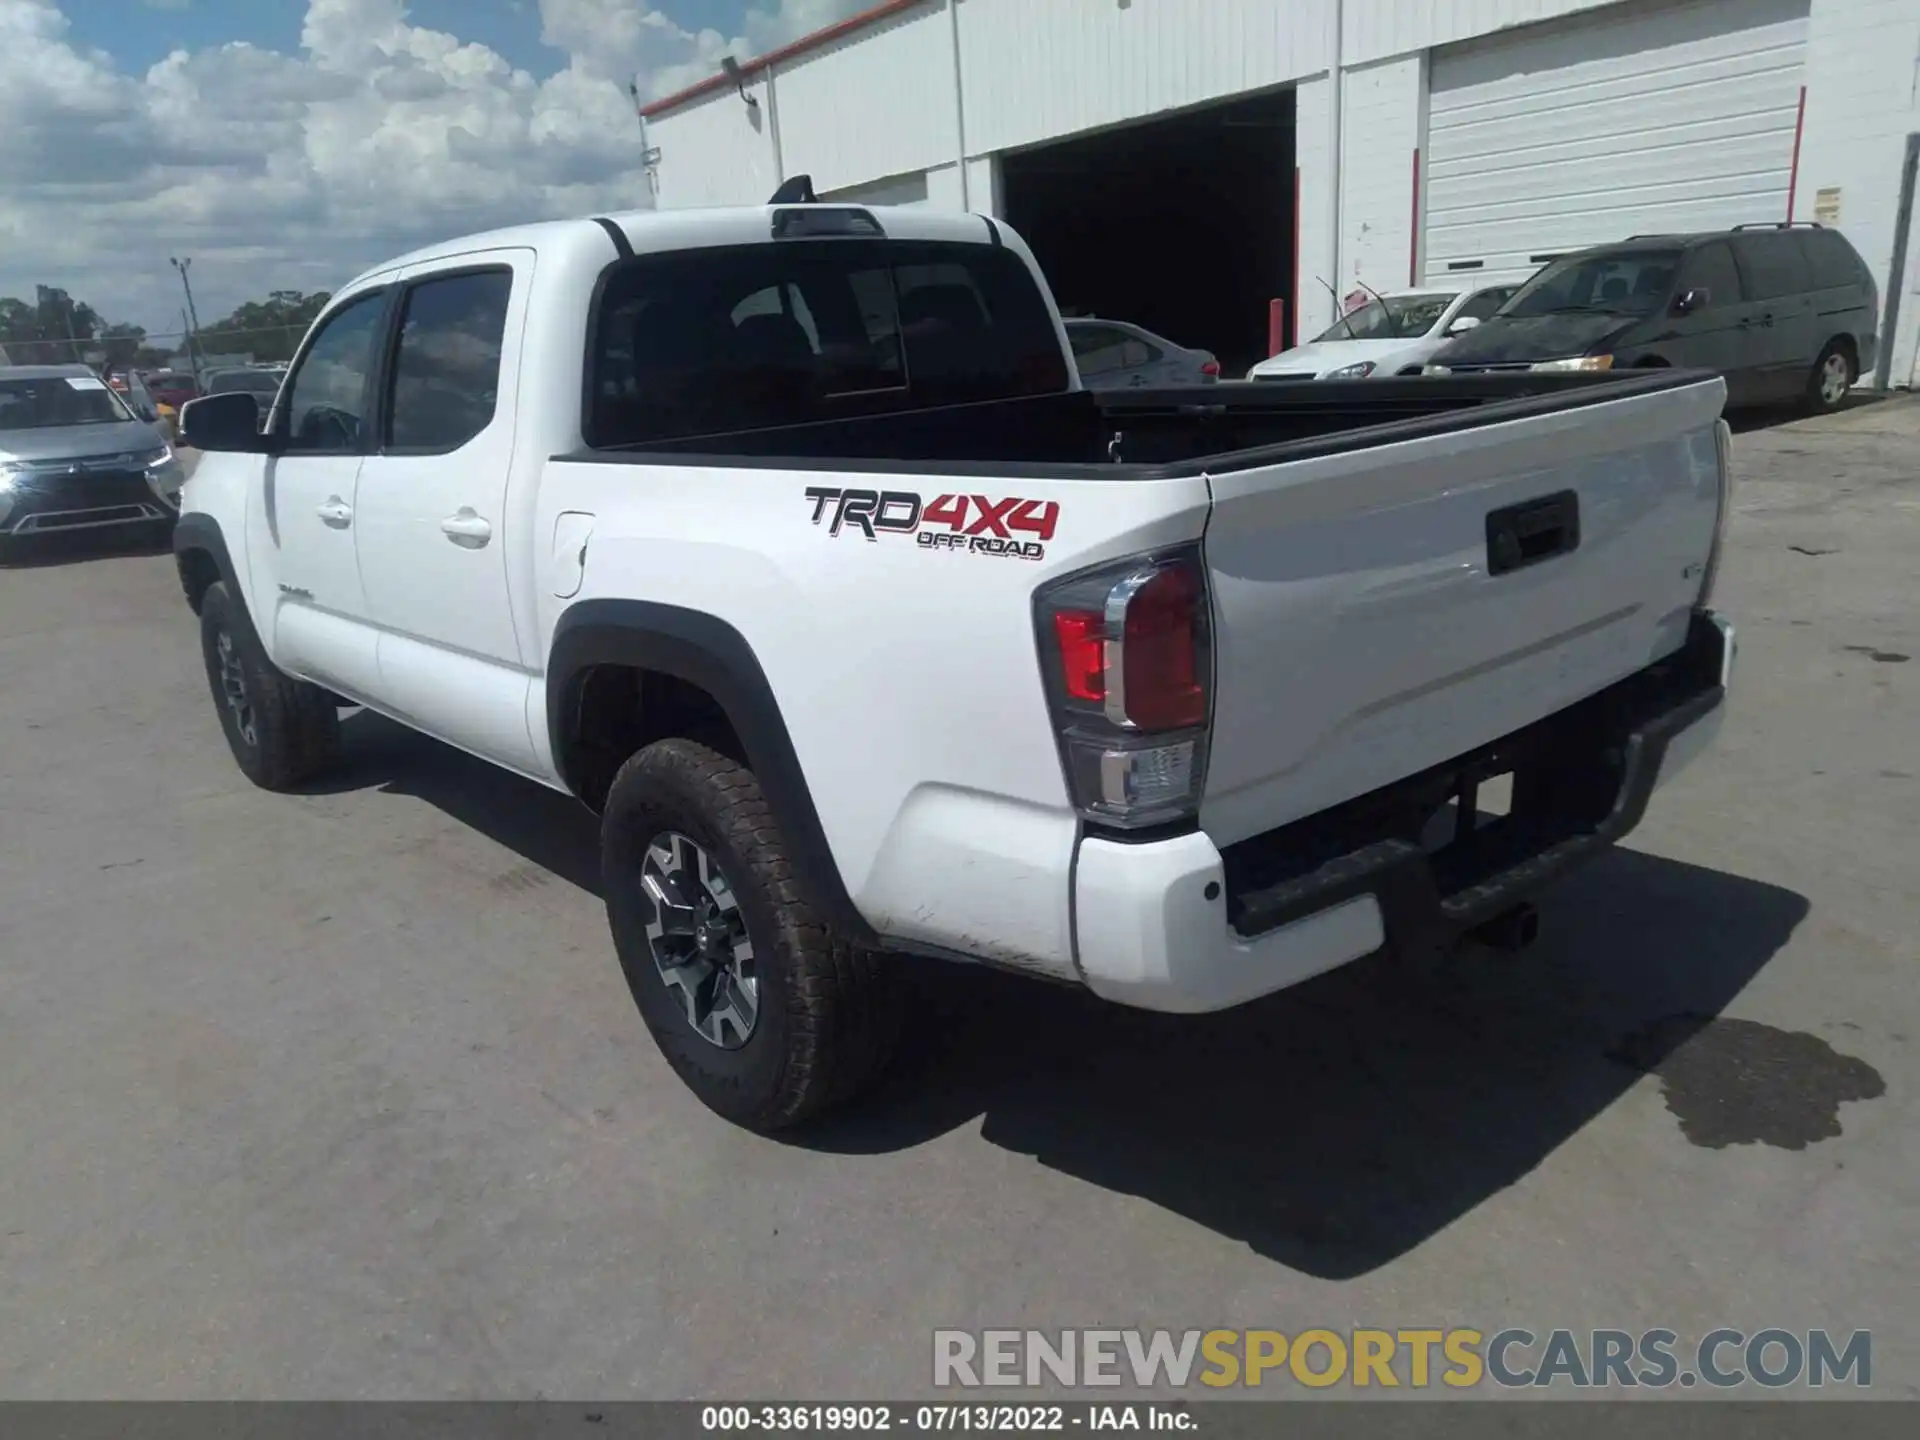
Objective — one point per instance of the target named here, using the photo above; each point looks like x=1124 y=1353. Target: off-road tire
x=1820 y=397
x=295 y=729
x=828 y=1012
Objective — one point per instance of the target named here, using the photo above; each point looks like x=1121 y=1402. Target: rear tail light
x=1210 y=368
x=1127 y=651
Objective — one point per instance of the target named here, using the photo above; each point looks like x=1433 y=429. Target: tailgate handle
x=1535 y=530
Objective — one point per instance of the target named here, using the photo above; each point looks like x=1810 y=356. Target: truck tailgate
x=1383 y=609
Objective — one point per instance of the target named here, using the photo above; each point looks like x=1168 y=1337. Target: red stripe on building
x=1793 y=175
x=824 y=36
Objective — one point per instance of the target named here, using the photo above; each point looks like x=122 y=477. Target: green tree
x=124 y=344
x=54 y=329
x=269 y=329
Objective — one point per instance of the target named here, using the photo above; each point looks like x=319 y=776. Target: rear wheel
x=1833 y=376
x=283 y=732
x=767 y=1015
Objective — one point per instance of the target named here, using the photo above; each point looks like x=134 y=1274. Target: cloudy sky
x=290 y=143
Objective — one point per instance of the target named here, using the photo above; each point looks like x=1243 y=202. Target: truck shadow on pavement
x=1331 y=1128
x=1338 y=1125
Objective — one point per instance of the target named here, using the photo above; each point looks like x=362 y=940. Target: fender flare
x=197 y=531
x=706 y=651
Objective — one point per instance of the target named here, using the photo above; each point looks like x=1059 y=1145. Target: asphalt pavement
x=341 y=1095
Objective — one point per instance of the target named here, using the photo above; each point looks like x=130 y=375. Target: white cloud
x=278 y=170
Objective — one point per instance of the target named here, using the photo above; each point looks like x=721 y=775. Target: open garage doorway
x=1183 y=225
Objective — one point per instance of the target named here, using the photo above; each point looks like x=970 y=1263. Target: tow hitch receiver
x=1511 y=931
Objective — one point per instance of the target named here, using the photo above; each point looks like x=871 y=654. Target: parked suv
x=75 y=456
x=1785 y=313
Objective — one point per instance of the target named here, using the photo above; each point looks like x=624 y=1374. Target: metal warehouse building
x=1181 y=163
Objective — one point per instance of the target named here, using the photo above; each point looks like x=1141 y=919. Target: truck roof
x=654 y=231
x=44 y=372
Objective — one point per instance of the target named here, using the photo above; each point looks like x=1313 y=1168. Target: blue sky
x=139 y=32
x=290 y=144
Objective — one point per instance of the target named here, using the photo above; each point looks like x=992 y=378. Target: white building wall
x=1313 y=135
x=717 y=152
x=1381 y=105
x=1374 y=29
x=1863 y=100
x=943 y=189
x=877 y=102
x=983 y=184
x=1035 y=70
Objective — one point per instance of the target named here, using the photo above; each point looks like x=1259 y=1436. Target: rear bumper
x=1179 y=925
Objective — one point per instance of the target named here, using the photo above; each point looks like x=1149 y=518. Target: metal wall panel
x=1037 y=70
x=1643 y=120
x=1375 y=29
x=878 y=102
x=716 y=152
x=1863 y=100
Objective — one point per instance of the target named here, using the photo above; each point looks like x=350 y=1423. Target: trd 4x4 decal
x=975 y=524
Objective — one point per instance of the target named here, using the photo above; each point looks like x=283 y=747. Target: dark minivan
x=1788 y=314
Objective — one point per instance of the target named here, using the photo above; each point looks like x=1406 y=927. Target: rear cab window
x=445 y=381
x=699 y=342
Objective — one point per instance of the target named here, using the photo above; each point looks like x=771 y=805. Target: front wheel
x=1832 y=378
x=283 y=732
x=767 y=1015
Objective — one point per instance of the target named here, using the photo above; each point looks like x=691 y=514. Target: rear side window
x=1711 y=268
x=1771 y=264
x=1483 y=305
x=705 y=342
x=1831 y=259
x=446 y=369
x=1101 y=349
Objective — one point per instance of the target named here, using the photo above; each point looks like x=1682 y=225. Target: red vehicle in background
x=172 y=387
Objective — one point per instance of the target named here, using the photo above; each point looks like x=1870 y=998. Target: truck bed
x=1152 y=433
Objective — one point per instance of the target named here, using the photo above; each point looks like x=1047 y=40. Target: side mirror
x=229 y=421
x=1688 y=301
x=1462 y=324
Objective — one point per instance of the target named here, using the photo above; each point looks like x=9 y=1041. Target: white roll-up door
x=1636 y=120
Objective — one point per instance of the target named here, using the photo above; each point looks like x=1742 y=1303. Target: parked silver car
x=75 y=456
x=1111 y=354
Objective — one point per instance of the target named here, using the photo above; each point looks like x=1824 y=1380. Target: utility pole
x=193 y=318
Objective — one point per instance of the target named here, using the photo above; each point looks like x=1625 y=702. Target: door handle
x=465 y=527
x=335 y=512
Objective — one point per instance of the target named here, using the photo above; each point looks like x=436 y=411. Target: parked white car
x=1394 y=334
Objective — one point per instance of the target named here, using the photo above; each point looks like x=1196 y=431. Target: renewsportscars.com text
x=1391 y=1359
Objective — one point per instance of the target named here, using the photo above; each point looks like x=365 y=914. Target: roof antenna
x=796 y=191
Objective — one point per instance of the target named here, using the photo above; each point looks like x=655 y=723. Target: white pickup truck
x=787 y=540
